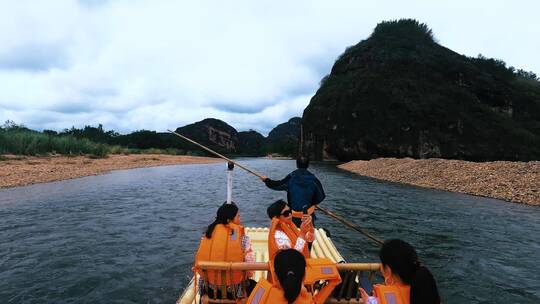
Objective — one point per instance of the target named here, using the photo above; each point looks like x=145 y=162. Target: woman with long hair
x=226 y=213
x=289 y=266
x=225 y=241
x=406 y=279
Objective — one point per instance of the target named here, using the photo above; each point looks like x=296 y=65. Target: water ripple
x=130 y=236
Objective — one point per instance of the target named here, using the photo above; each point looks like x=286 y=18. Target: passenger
x=283 y=233
x=290 y=269
x=406 y=279
x=225 y=241
x=292 y=272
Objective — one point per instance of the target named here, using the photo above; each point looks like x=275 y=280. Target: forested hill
x=401 y=94
x=214 y=133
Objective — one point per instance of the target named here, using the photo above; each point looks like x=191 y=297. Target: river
x=129 y=236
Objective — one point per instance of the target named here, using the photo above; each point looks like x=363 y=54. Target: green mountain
x=401 y=94
x=283 y=139
x=251 y=143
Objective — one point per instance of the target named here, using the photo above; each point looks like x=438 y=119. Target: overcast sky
x=161 y=64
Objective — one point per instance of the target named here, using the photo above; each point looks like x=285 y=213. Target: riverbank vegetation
x=19 y=140
x=91 y=141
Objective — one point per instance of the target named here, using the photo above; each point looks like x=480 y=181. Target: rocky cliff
x=214 y=133
x=399 y=93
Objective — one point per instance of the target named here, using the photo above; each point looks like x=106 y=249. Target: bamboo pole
x=212 y=265
x=359 y=266
x=264 y=266
x=217 y=154
x=351 y=225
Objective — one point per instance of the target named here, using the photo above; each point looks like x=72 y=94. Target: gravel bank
x=517 y=182
x=20 y=171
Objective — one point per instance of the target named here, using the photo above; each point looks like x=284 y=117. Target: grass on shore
x=24 y=142
x=31 y=143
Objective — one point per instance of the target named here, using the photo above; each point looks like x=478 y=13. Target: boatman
x=304 y=190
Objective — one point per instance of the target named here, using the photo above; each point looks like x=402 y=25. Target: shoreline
x=515 y=182
x=16 y=171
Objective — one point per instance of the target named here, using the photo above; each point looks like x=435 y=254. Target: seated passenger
x=292 y=271
x=406 y=280
x=283 y=233
x=224 y=241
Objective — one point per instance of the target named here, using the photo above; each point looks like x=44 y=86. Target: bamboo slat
x=343 y=301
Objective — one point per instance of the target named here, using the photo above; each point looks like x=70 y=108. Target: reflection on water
x=130 y=236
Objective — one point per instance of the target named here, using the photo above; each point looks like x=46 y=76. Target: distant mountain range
x=217 y=135
x=222 y=137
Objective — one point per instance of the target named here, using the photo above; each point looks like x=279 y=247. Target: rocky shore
x=517 y=182
x=20 y=171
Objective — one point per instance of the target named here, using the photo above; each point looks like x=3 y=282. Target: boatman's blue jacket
x=303 y=189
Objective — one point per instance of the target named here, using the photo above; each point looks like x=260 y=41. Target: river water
x=129 y=236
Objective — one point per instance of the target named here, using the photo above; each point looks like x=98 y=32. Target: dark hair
x=275 y=208
x=302 y=162
x=290 y=269
x=402 y=259
x=225 y=214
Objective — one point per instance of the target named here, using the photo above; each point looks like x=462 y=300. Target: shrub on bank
x=27 y=142
x=19 y=140
x=118 y=150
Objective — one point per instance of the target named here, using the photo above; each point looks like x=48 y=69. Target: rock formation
x=214 y=133
x=401 y=94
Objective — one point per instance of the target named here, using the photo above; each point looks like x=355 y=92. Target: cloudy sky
x=158 y=64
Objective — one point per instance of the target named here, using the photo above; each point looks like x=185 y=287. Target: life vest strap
x=299 y=214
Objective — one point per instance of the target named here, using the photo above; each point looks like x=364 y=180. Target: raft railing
x=344 y=293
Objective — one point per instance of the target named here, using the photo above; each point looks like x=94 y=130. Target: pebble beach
x=517 y=182
x=20 y=171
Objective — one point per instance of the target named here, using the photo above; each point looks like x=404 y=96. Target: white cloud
x=162 y=64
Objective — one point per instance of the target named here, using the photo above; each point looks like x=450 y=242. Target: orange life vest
x=321 y=269
x=299 y=214
x=266 y=293
x=292 y=233
x=392 y=294
x=225 y=245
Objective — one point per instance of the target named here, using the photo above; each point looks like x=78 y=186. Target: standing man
x=304 y=190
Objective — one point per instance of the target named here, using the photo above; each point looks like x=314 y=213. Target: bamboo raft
x=323 y=247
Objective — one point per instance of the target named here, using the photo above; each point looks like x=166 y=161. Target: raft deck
x=323 y=247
